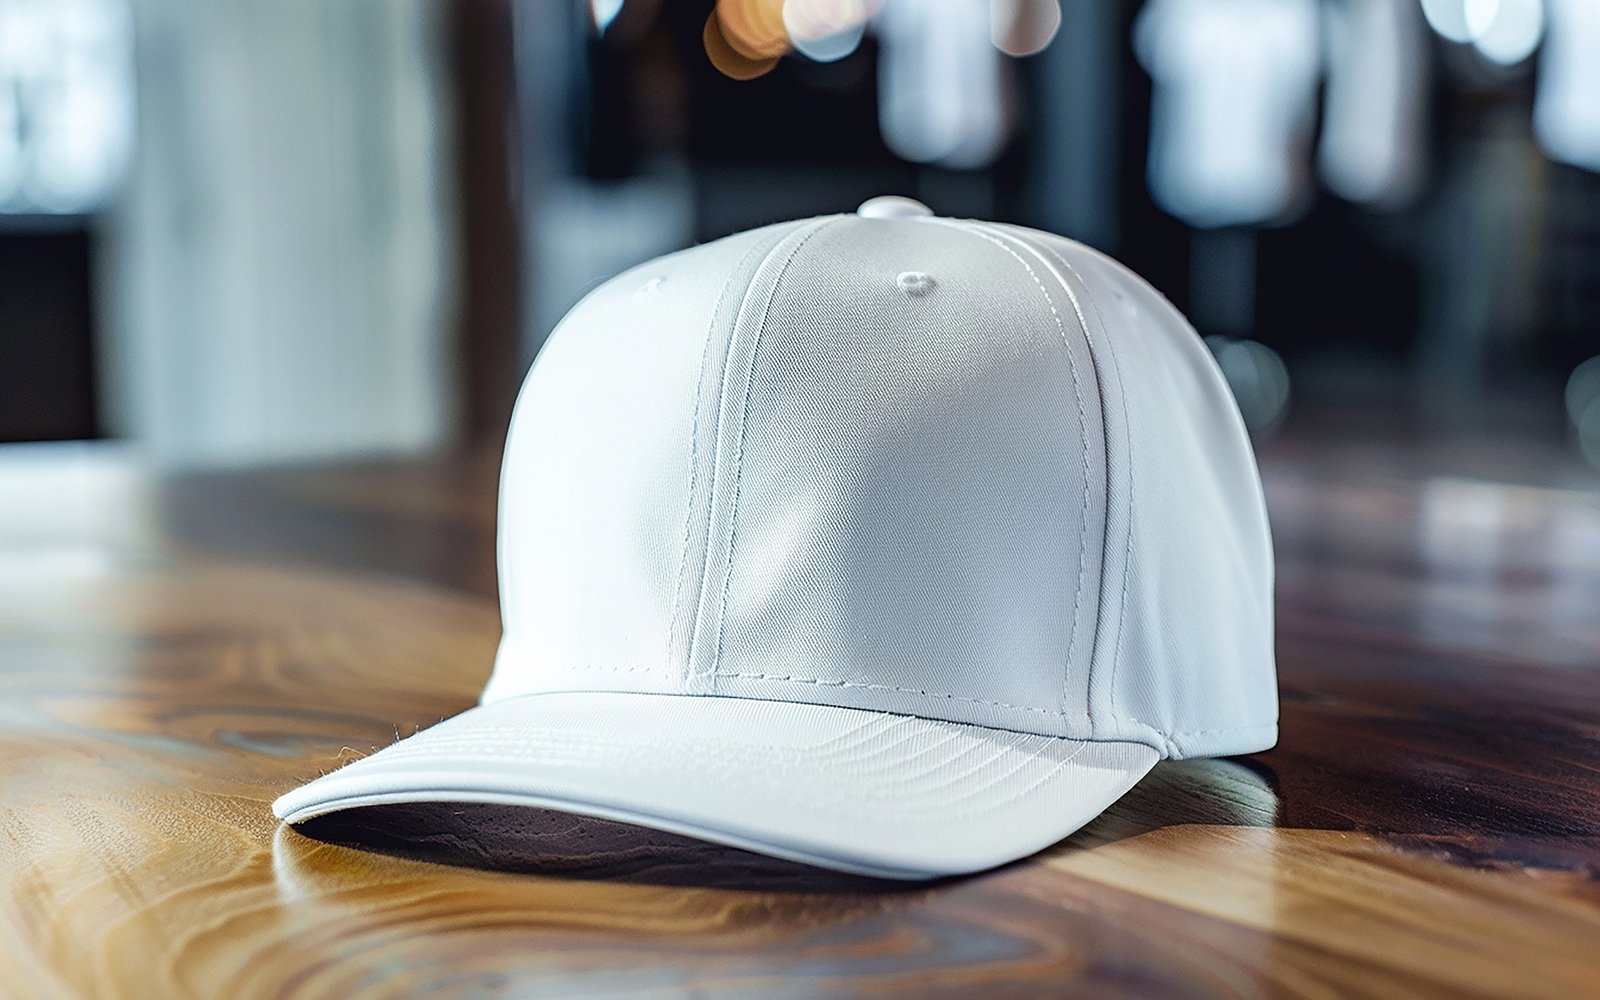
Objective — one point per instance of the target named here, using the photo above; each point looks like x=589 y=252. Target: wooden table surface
x=175 y=652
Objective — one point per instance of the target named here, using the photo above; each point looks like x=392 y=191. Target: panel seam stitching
x=989 y=235
x=738 y=465
x=889 y=687
x=694 y=452
x=1127 y=551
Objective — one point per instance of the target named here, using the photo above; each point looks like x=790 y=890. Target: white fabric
x=915 y=499
x=1186 y=658
x=962 y=477
x=886 y=795
x=595 y=494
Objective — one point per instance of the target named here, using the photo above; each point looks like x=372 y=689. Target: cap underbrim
x=892 y=796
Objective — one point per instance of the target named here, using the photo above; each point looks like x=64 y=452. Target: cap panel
x=1103 y=457
x=915 y=498
x=724 y=400
x=1191 y=658
x=596 y=519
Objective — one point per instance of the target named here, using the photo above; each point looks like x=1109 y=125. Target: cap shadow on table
x=544 y=842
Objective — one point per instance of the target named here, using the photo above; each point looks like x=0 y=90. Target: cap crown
x=942 y=468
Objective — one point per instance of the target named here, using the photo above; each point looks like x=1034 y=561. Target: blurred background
x=253 y=232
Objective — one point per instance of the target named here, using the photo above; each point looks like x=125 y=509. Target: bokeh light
x=1583 y=388
x=730 y=61
x=603 y=13
x=1587 y=427
x=1505 y=31
x=1258 y=378
x=1583 y=408
x=1448 y=18
x=753 y=28
x=1023 y=27
x=827 y=30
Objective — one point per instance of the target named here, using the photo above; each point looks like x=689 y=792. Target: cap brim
x=893 y=796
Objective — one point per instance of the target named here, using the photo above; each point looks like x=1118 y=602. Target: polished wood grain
x=175 y=652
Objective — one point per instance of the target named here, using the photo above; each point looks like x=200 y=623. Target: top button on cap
x=892 y=206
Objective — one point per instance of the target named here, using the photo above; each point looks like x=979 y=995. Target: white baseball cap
x=895 y=544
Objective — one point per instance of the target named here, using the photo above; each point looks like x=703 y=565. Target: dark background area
x=47 y=333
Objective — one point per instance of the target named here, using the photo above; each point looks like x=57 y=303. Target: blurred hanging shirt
x=1235 y=89
x=1372 y=127
x=939 y=83
x=1566 y=111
